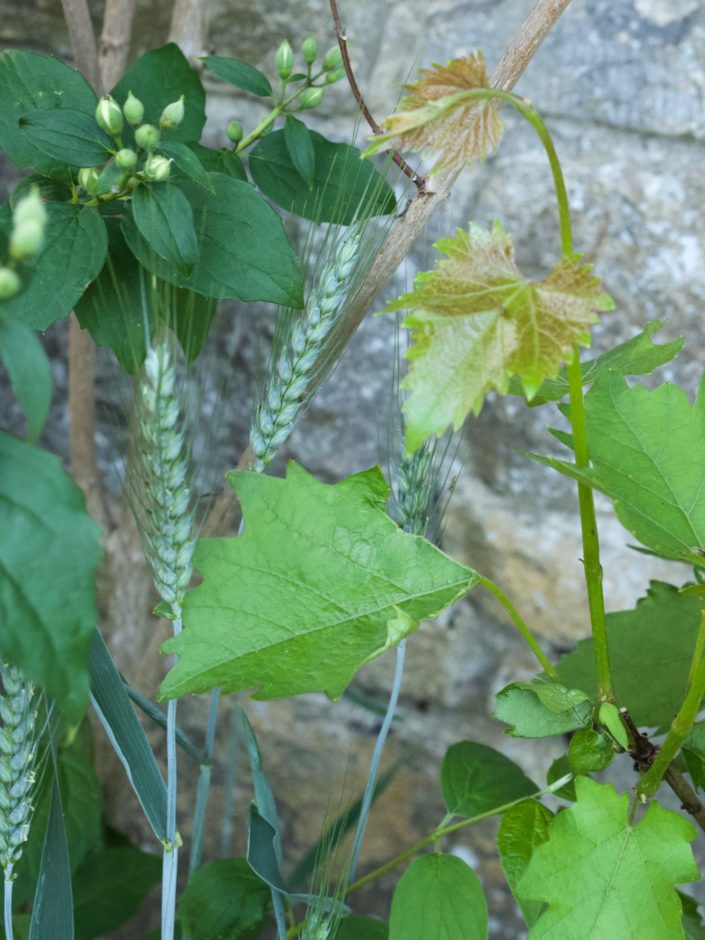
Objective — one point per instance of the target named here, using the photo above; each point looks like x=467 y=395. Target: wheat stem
x=292 y=374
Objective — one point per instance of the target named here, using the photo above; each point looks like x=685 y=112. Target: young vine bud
x=133 y=109
x=30 y=208
x=9 y=283
x=88 y=179
x=126 y=159
x=234 y=132
x=108 y=114
x=333 y=59
x=335 y=76
x=309 y=50
x=311 y=98
x=284 y=60
x=157 y=169
x=26 y=239
x=147 y=137
x=172 y=115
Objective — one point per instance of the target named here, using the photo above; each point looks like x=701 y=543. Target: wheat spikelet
x=18 y=756
x=161 y=475
x=292 y=372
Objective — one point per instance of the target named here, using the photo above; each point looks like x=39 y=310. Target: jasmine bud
x=88 y=179
x=30 y=207
x=284 y=60
x=108 y=114
x=333 y=59
x=147 y=137
x=335 y=76
x=26 y=239
x=9 y=283
x=234 y=131
x=172 y=115
x=133 y=109
x=126 y=159
x=311 y=98
x=157 y=169
x=309 y=49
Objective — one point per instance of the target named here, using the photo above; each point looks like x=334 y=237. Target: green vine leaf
x=522 y=829
x=476 y=321
x=532 y=712
x=694 y=754
x=647 y=450
x=598 y=870
x=476 y=778
x=320 y=582
x=435 y=117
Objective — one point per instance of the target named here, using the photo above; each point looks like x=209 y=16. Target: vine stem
x=373 y=772
x=682 y=723
x=526 y=633
x=7 y=908
x=170 y=864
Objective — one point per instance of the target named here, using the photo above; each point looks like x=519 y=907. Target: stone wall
x=622 y=87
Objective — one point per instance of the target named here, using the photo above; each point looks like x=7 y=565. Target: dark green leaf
x=655 y=639
x=476 y=778
x=28 y=368
x=692 y=919
x=239 y=74
x=244 y=251
x=263 y=851
x=110 y=887
x=637 y=356
x=114 y=709
x=300 y=148
x=47 y=574
x=50 y=190
x=589 y=751
x=164 y=218
x=27 y=82
x=52 y=911
x=186 y=162
x=519 y=706
x=224 y=901
x=522 y=828
x=694 y=754
x=344 y=186
x=438 y=896
x=190 y=316
x=67 y=135
x=158 y=78
x=222 y=160
x=264 y=797
x=558 y=769
x=361 y=928
x=302 y=537
x=74 y=251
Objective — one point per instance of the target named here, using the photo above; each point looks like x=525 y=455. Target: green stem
x=526 y=633
x=682 y=723
x=7 y=905
x=273 y=115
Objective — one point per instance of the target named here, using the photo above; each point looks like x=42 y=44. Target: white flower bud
x=9 y=283
x=147 y=137
x=157 y=169
x=108 y=114
x=133 y=109
x=172 y=115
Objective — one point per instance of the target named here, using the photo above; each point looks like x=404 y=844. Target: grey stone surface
x=622 y=87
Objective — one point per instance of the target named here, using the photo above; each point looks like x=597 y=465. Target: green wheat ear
x=19 y=708
x=160 y=474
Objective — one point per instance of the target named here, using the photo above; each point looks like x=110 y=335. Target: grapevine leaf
x=47 y=574
x=648 y=450
x=589 y=751
x=521 y=830
x=225 y=899
x=476 y=321
x=597 y=869
x=694 y=754
x=438 y=896
x=320 y=582
x=640 y=645
x=435 y=115
x=520 y=706
x=476 y=778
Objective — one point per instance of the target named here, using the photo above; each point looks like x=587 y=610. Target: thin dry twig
x=82 y=38
x=341 y=36
x=114 y=45
x=188 y=26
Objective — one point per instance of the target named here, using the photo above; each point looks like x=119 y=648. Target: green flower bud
x=88 y=179
x=126 y=159
x=133 y=109
x=333 y=59
x=284 y=60
x=108 y=114
x=157 y=169
x=30 y=208
x=234 y=131
x=26 y=239
x=309 y=49
x=311 y=98
x=335 y=76
x=9 y=283
x=147 y=137
x=172 y=115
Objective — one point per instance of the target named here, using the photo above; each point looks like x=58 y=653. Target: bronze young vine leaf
x=321 y=581
x=476 y=321
x=432 y=119
x=603 y=877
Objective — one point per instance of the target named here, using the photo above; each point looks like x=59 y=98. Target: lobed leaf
x=225 y=899
x=522 y=829
x=320 y=582
x=476 y=321
x=521 y=707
